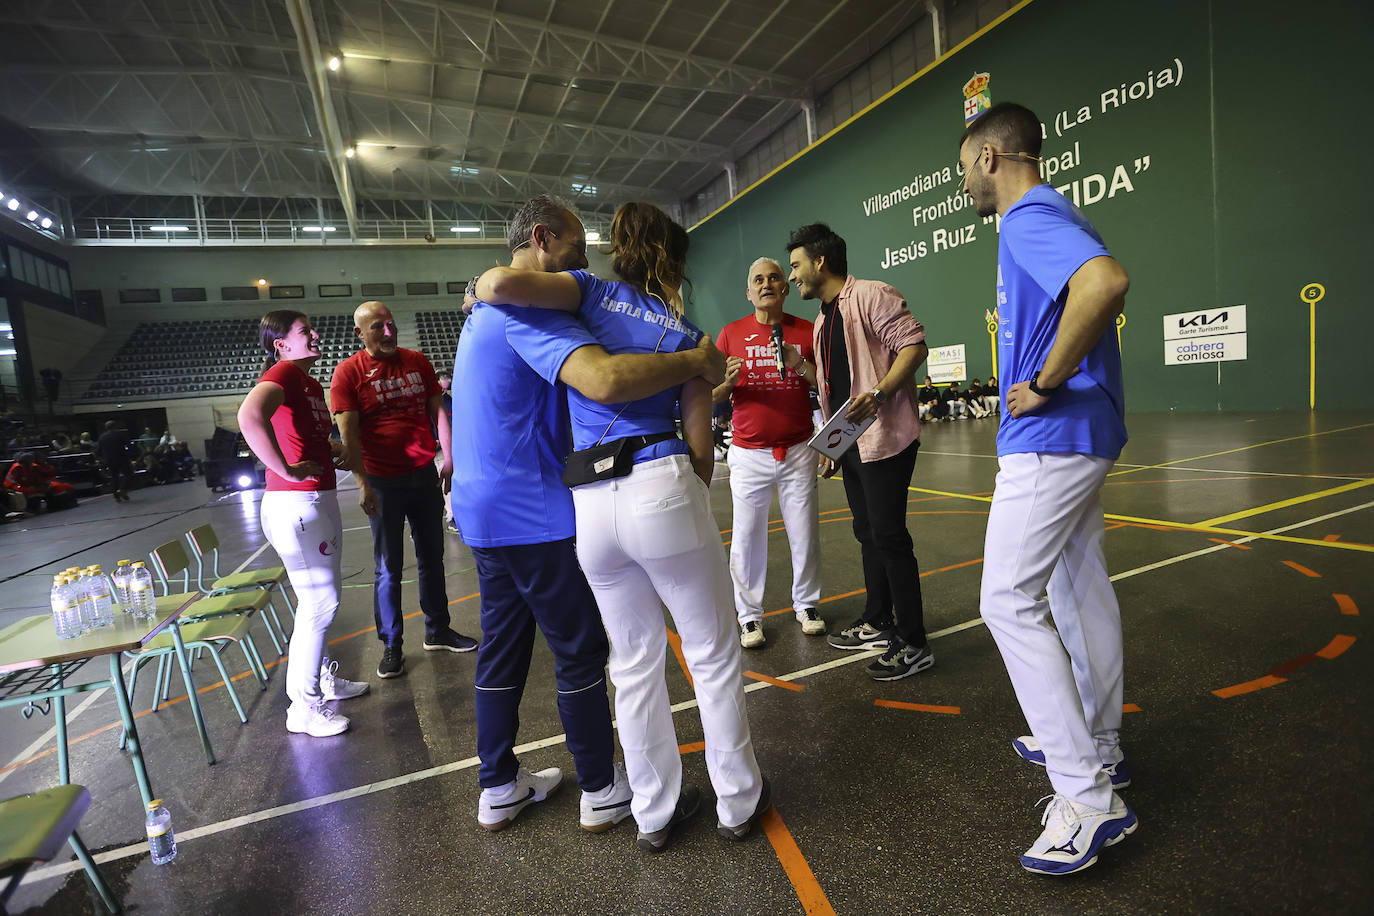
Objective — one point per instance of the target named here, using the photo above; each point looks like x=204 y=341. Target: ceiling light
x=170 y=228
x=593 y=236
x=317 y=228
x=262 y=281
x=333 y=63
x=466 y=229
x=31 y=215
x=350 y=152
x=13 y=204
x=46 y=223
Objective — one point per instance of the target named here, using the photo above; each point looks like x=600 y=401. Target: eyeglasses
x=531 y=238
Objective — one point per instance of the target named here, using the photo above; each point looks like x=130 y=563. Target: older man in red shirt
x=385 y=398
x=868 y=348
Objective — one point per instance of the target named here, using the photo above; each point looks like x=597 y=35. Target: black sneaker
x=687 y=804
x=901 y=660
x=742 y=831
x=860 y=636
x=450 y=640
x=393 y=663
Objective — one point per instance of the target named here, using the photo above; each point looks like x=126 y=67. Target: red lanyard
x=829 y=339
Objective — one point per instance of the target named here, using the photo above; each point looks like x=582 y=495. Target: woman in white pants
x=647 y=534
x=286 y=423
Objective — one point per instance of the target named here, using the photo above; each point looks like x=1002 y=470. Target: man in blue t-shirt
x=1058 y=294
x=510 y=439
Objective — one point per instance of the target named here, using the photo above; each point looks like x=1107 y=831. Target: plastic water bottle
x=66 y=614
x=141 y=599
x=102 y=605
x=161 y=840
x=121 y=583
x=81 y=586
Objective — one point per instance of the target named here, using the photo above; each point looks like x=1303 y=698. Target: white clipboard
x=834 y=438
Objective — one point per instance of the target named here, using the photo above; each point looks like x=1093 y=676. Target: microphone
x=777 y=347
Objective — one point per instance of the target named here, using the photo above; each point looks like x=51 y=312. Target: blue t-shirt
x=510 y=426
x=1044 y=240
x=625 y=320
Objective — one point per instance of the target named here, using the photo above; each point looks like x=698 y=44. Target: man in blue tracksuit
x=510 y=439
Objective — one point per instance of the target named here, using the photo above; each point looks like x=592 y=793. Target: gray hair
x=546 y=209
x=765 y=260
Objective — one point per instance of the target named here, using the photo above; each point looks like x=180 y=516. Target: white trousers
x=1063 y=654
x=642 y=538
x=306 y=531
x=754 y=474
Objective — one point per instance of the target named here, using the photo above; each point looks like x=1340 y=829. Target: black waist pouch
x=600 y=462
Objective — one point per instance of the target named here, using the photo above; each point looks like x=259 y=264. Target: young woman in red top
x=286 y=423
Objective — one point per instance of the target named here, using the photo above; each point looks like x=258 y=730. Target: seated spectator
x=928 y=399
x=86 y=443
x=14 y=505
x=954 y=402
x=186 y=464
x=973 y=397
x=990 y=399
x=37 y=480
x=61 y=444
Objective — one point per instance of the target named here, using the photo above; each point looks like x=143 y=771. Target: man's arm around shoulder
x=615 y=379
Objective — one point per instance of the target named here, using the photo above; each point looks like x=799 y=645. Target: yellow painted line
x=1231 y=451
x=981 y=499
x=1285 y=503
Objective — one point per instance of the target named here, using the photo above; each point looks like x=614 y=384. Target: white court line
x=136 y=849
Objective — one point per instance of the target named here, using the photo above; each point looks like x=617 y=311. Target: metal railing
x=101 y=230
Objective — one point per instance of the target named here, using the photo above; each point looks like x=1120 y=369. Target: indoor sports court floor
x=1241 y=550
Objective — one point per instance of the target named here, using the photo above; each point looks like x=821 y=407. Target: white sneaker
x=751 y=634
x=334 y=687
x=811 y=622
x=603 y=810
x=1074 y=834
x=318 y=721
x=498 y=807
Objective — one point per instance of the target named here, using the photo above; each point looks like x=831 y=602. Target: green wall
x=1226 y=187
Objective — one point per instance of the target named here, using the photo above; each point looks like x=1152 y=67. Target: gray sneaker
x=901 y=660
x=741 y=831
x=657 y=840
x=860 y=636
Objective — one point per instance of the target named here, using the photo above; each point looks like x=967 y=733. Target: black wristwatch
x=879 y=396
x=1036 y=389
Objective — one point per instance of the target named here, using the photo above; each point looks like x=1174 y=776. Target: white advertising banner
x=1205 y=336
x=947 y=364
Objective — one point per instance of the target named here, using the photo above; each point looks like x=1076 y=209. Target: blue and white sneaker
x=499 y=806
x=1029 y=750
x=1074 y=835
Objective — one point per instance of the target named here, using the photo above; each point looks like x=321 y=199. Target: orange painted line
x=772 y=680
x=675 y=641
x=1289 y=667
x=1130 y=707
x=813 y=899
x=1260 y=683
x=464 y=598
x=1332 y=537
x=1229 y=543
x=917 y=707
x=691 y=748
x=1336 y=646
x=1347 y=605
x=1114 y=525
x=1302 y=569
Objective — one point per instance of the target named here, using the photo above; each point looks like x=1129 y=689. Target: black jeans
x=413 y=498
x=877 y=493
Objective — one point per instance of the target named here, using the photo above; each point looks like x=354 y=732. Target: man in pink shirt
x=868 y=348
x=388 y=403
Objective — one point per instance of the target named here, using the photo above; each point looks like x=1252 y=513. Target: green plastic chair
x=33 y=829
x=170 y=560
x=202 y=540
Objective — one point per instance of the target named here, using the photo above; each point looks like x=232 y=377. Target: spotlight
x=13 y=204
x=333 y=63
x=244 y=481
x=593 y=236
x=31 y=216
x=262 y=281
x=46 y=223
x=350 y=153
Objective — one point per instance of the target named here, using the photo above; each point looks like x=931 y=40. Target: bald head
x=376 y=328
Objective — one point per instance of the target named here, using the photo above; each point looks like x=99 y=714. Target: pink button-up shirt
x=877 y=325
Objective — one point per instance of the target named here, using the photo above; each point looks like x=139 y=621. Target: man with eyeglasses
x=510 y=440
x=1059 y=292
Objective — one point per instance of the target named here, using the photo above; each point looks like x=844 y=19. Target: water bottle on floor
x=121 y=584
x=161 y=840
x=141 y=598
x=102 y=605
x=66 y=614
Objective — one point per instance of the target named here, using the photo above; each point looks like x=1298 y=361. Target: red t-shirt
x=769 y=412
x=391 y=397
x=301 y=425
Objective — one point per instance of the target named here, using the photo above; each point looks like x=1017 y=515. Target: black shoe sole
x=741 y=833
